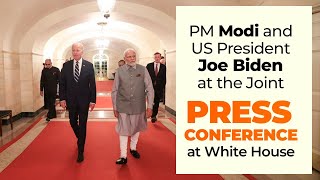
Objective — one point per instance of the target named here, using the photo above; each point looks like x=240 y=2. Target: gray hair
x=78 y=44
x=129 y=49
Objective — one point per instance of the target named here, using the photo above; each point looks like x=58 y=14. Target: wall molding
x=16 y=53
x=171 y=111
x=23 y=114
x=318 y=50
x=36 y=54
x=9 y=53
x=171 y=51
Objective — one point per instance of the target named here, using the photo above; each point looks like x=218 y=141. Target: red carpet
x=103 y=102
x=103 y=86
x=52 y=155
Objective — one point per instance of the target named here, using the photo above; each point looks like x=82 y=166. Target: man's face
x=130 y=58
x=47 y=64
x=77 y=51
x=121 y=63
x=157 y=58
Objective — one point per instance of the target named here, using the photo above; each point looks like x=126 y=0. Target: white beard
x=132 y=64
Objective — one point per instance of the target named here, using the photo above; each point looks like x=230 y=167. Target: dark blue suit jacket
x=81 y=93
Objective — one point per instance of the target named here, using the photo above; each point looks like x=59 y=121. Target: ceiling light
x=106 y=6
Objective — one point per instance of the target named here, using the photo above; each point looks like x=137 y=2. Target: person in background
x=163 y=60
x=157 y=73
x=49 y=82
x=121 y=62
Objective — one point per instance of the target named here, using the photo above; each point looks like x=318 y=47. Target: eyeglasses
x=47 y=64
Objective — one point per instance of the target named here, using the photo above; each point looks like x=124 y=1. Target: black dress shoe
x=122 y=161
x=135 y=154
x=153 y=119
x=48 y=119
x=80 y=157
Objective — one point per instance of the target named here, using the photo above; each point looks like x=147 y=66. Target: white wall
x=171 y=79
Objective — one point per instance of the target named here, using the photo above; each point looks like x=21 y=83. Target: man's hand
x=148 y=112
x=116 y=113
x=63 y=104
x=41 y=93
x=91 y=106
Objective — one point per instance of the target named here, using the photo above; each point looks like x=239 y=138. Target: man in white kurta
x=131 y=88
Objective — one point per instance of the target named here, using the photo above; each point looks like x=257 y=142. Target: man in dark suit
x=78 y=93
x=158 y=76
x=50 y=77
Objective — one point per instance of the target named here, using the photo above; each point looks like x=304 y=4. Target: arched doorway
x=100 y=62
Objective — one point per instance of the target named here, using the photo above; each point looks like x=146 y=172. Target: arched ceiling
x=127 y=22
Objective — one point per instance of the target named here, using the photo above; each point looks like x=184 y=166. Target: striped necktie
x=76 y=72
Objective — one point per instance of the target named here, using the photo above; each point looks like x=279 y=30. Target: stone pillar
x=30 y=73
x=11 y=82
x=26 y=81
